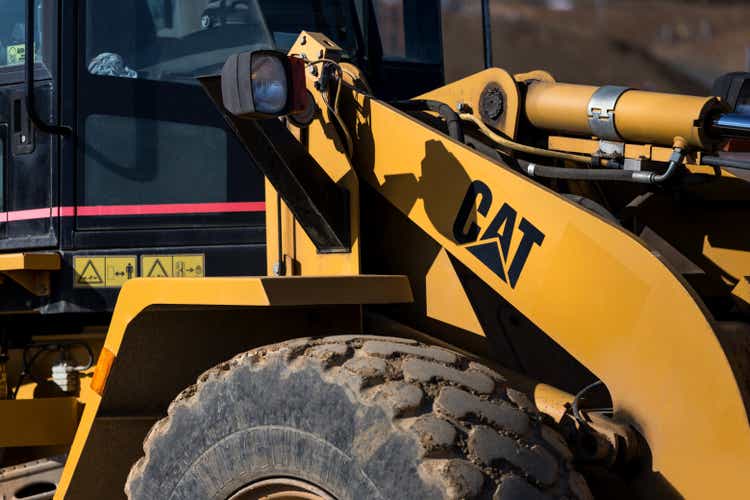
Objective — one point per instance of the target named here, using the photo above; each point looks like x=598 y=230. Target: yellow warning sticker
x=104 y=271
x=16 y=54
x=89 y=271
x=156 y=266
x=177 y=266
x=120 y=268
x=188 y=266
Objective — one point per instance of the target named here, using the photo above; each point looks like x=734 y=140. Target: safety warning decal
x=112 y=271
x=188 y=266
x=173 y=266
x=156 y=266
x=120 y=269
x=89 y=271
x=103 y=271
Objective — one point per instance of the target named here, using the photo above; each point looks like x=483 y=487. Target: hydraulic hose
x=679 y=149
x=717 y=161
x=452 y=120
x=599 y=174
x=522 y=148
x=579 y=174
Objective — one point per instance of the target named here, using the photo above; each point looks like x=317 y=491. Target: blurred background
x=673 y=45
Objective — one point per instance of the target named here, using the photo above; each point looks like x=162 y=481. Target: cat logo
x=494 y=245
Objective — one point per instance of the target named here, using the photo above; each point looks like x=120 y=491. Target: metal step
x=36 y=480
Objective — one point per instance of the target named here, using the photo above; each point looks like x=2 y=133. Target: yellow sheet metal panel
x=329 y=149
x=595 y=289
x=29 y=261
x=468 y=92
x=138 y=294
x=446 y=298
x=38 y=422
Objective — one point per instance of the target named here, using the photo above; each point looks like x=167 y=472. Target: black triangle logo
x=157 y=268
x=89 y=275
x=489 y=254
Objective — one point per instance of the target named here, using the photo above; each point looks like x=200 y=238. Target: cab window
x=13 y=32
x=172 y=40
x=151 y=136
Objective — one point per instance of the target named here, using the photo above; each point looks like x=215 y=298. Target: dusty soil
x=662 y=45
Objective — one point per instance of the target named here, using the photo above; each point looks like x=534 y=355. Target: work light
x=263 y=84
x=270 y=84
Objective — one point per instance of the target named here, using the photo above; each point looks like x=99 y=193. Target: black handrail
x=31 y=110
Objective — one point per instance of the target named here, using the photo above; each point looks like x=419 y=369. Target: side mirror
x=263 y=84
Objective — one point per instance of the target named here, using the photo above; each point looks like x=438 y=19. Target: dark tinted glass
x=13 y=32
x=335 y=18
x=174 y=40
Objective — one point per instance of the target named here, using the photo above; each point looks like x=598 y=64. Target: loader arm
x=595 y=289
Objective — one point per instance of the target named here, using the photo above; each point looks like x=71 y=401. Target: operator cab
x=149 y=181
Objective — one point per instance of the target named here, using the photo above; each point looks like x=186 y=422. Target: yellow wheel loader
x=248 y=256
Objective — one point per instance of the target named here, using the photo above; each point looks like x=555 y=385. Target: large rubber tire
x=361 y=418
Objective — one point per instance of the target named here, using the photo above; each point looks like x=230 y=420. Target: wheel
x=355 y=418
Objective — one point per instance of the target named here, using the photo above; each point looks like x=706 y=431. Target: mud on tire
x=360 y=417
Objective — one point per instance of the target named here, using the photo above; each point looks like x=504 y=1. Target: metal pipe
x=28 y=64
x=717 y=161
x=487 y=33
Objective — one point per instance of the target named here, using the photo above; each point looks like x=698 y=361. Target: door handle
x=22 y=130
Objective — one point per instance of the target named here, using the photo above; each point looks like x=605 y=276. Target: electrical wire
x=579 y=396
x=28 y=364
x=355 y=78
x=342 y=125
x=334 y=110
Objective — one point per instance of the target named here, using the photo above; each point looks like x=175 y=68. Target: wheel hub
x=281 y=488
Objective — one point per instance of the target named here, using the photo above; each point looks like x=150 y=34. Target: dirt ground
x=672 y=45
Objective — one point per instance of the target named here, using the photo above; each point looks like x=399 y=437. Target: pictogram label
x=120 y=269
x=173 y=266
x=100 y=271
x=188 y=266
x=112 y=271
x=89 y=271
x=156 y=266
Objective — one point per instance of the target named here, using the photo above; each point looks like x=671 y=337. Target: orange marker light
x=101 y=373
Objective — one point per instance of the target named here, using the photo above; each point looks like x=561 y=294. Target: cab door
x=156 y=164
x=28 y=207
